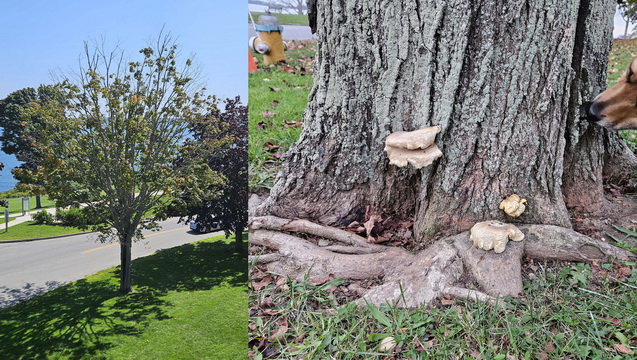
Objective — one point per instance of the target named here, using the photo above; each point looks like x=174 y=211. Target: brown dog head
x=616 y=107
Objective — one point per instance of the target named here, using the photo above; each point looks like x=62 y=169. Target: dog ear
x=631 y=76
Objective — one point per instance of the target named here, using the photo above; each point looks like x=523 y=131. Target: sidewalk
x=24 y=218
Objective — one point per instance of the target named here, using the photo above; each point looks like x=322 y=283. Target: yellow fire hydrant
x=269 y=41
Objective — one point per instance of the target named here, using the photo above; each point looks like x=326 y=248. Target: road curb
x=44 y=238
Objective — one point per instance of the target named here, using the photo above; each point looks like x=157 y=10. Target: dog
x=616 y=107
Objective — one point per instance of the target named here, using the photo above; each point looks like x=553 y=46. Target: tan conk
x=413 y=147
x=494 y=235
x=513 y=205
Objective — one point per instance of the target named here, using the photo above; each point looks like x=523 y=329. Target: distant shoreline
x=7 y=182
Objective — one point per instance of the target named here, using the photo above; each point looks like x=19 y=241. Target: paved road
x=31 y=268
x=290 y=32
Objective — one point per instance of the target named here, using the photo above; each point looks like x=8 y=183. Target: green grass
x=292 y=19
x=278 y=96
x=188 y=302
x=576 y=312
x=15 y=204
x=30 y=230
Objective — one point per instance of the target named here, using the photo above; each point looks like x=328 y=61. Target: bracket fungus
x=494 y=235
x=513 y=205
x=413 y=147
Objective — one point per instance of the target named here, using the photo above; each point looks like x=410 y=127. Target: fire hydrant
x=269 y=41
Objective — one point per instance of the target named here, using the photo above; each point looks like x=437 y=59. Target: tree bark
x=503 y=80
x=238 y=238
x=591 y=151
x=125 y=283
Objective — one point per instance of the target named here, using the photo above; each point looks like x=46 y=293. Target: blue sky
x=41 y=37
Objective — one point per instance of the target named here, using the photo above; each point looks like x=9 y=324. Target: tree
x=13 y=140
x=112 y=142
x=505 y=83
x=226 y=202
x=628 y=11
x=297 y=5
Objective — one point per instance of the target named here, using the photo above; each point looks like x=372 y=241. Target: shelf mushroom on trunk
x=413 y=147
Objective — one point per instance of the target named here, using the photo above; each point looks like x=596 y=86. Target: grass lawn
x=15 y=204
x=574 y=312
x=30 y=230
x=292 y=19
x=278 y=96
x=189 y=302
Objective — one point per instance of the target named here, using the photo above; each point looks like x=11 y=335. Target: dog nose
x=589 y=111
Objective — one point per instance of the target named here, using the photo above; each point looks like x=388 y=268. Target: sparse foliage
x=111 y=143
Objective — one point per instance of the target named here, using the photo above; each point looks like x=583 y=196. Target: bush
x=70 y=217
x=76 y=217
x=42 y=217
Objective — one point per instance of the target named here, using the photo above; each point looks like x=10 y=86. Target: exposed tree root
x=264 y=258
x=411 y=280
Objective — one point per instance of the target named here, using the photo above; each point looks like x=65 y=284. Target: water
x=7 y=182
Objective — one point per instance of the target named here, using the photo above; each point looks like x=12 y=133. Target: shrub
x=42 y=217
x=76 y=217
x=70 y=217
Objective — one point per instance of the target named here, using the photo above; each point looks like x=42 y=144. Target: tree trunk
x=238 y=238
x=503 y=80
x=38 y=202
x=125 y=279
x=591 y=151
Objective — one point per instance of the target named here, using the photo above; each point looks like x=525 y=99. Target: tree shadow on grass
x=74 y=321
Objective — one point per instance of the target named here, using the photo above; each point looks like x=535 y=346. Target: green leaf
x=622 y=338
x=379 y=316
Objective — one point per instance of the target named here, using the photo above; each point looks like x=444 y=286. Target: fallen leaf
x=549 y=346
x=283 y=328
x=624 y=271
x=288 y=68
x=369 y=224
x=274 y=103
x=281 y=280
x=261 y=125
x=268 y=114
x=623 y=349
x=258 y=285
x=270 y=146
x=353 y=224
x=271 y=312
x=274 y=89
x=289 y=124
x=299 y=339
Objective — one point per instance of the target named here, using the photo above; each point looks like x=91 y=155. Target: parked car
x=195 y=226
